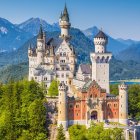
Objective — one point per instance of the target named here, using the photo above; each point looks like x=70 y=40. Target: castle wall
x=112 y=109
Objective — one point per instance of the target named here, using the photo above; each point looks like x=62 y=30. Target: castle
x=84 y=96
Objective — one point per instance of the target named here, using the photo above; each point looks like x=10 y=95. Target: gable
x=63 y=48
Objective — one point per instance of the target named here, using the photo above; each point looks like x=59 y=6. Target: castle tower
x=123 y=104
x=100 y=61
x=40 y=46
x=62 y=106
x=64 y=24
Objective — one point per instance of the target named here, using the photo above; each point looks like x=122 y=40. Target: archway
x=94 y=115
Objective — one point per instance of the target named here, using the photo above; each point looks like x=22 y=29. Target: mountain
x=82 y=44
x=32 y=26
x=13 y=72
x=131 y=53
x=11 y=37
x=128 y=41
x=114 y=45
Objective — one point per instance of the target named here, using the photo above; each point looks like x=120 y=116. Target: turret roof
x=40 y=35
x=65 y=15
x=101 y=34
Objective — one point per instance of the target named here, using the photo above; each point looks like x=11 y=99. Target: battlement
x=123 y=86
x=100 y=41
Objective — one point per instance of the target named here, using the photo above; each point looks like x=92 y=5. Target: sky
x=118 y=18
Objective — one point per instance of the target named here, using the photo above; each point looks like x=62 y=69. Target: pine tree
x=60 y=134
x=53 y=89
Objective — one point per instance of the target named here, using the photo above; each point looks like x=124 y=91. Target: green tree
x=53 y=89
x=22 y=111
x=77 y=132
x=60 y=134
x=37 y=117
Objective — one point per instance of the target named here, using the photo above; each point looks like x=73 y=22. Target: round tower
x=40 y=46
x=100 y=42
x=62 y=106
x=64 y=24
x=123 y=104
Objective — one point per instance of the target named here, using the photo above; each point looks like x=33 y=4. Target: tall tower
x=40 y=46
x=100 y=61
x=123 y=104
x=62 y=106
x=64 y=23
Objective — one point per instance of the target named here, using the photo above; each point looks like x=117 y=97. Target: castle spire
x=40 y=35
x=64 y=23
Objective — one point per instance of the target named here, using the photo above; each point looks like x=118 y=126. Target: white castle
x=83 y=95
x=50 y=59
x=56 y=59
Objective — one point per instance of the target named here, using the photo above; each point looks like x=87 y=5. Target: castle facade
x=84 y=96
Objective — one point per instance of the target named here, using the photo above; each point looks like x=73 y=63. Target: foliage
x=134 y=101
x=95 y=132
x=60 y=135
x=22 y=113
x=53 y=89
x=114 y=89
x=77 y=132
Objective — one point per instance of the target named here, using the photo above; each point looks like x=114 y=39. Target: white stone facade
x=48 y=61
x=100 y=61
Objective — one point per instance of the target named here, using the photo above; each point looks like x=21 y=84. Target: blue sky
x=119 y=18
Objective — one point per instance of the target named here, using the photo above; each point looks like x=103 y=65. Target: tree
x=77 y=132
x=53 y=89
x=22 y=111
x=37 y=117
x=60 y=134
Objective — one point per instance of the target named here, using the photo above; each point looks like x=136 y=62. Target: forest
x=23 y=113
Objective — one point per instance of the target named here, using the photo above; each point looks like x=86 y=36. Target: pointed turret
x=65 y=15
x=65 y=24
x=40 y=35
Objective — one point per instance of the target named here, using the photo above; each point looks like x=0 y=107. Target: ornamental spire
x=40 y=35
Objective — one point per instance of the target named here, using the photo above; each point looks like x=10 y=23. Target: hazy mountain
x=131 y=53
x=32 y=26
x=114 y=45
x=11 y=37
x=128 y=41
x=82 y=44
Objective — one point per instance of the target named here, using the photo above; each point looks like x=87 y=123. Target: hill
x=83 y=47
x=32 y=26
x=131 y=53
x=11 y=37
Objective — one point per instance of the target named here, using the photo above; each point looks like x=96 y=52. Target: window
x=77 y=114
x=45 y=78
x=70 y=106
x=77 y=106
x=60 y=112
x=62 y=75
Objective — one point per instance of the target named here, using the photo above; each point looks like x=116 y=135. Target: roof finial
x=101 y=29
